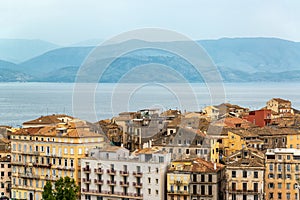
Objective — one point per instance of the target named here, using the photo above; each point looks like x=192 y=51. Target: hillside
x=238 y=60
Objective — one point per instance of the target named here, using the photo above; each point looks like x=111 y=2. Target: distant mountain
x=19 y=50
x=238 y=60
x=254 y=54
x=54 y=60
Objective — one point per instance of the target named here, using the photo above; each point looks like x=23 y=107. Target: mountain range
x=237 y=59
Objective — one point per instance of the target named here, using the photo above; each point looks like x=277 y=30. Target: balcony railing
x=98 y=171
x=137 y=184
x=115 y=194
x=124 y=184
x=86 y=169
x=99 y=182
x=111 y=171
x=137 y=174
x=124 y=173
x=111 y=182
x=86 y=180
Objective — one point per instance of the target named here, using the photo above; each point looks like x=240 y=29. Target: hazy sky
x=70 y=21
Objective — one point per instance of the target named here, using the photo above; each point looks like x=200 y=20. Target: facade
x=282 y=173
x=184 y=143
x=280 y=106
x=43 y=154
x=212 y=112
x=5 y=173
x=195 y=179
x=112 y=173
x=245 y=175
x=260 y=118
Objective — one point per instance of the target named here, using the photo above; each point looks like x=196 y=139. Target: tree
x=64 y=189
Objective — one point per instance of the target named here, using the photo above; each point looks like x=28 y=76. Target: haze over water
x=21 y=102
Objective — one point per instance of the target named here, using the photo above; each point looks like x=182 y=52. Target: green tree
x=65 y=189
x=48 y=192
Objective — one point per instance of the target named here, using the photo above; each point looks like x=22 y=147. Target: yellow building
x=47 y=153
x=282 y=171
x=195 y=179
x=178 y=180
x=293 y=140
x=233 y=143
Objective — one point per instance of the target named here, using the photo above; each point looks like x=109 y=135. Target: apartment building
x=5 y=176
x=42 y=154
x=245 y=175
x=194 y=179
x=282 y=173
x=112 y=173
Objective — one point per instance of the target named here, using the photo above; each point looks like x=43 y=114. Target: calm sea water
x=20 y=102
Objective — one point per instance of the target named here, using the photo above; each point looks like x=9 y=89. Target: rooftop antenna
x=47 y=110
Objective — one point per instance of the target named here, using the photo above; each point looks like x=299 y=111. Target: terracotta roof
x=49 y=119
x=279 y=100
x=78 y=133
x=196 y=165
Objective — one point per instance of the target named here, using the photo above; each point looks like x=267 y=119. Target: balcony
x=138 y=185
x=18 y=163
x=109 y=194
x=86 y=180
x=124 y=173
x=42 y=165
x=111 y=182
x=111 y=171
x=137 y=174
x=29 y=176
x=99 y=182
x=181 y=192
x=86 y=169
x=98 y=171
x=124 y=184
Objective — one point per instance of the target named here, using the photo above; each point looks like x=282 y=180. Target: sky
x=68 y=21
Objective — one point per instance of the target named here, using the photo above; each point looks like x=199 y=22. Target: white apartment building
x=111 y=173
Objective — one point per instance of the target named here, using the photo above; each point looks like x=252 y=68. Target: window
x=209 y=190
x=72 y=151
x=279 y=176
x=271 y=175
x=244 y=186
x=279 y=185
x=233 y=174
x=244 y=174
x=288 y=196
x=271 y=185
x=271 y=167
x=255 y=187
x=288 y=157
x=209 y=178
x=288 y=167
x=233 y=186
x=202 y=190
x=66 y=162
x=288 y=186
x=79 y=151
x=279 y=195
x=279 y=167
x=72 y=163
x=255 y=174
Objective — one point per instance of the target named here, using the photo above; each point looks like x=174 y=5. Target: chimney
x=215 y=166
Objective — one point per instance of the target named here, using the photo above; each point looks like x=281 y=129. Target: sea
x=20 y=102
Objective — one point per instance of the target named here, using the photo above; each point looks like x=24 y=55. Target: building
x=280 y=106
x=192 y=179
x=183 y=143
x=5 y=176
x=282 y=169
x=112 y=173
x=245 y=175
x=49 y=120
x=43 y=154
x=260 y=118
x=212 y=112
